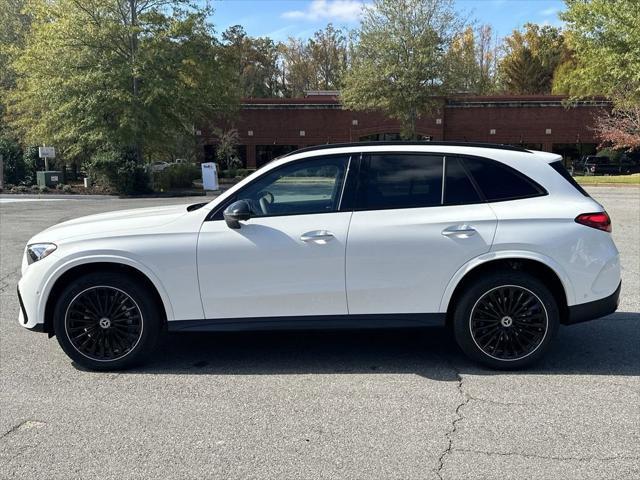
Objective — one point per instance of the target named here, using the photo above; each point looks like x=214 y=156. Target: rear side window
x=499 y=182
x=458 y=188
x=400 y=181
x=558 y=167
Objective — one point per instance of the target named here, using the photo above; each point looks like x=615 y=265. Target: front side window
x=305 y=187
x=400 y=181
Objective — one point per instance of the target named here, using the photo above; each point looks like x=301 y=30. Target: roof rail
x=498 y=146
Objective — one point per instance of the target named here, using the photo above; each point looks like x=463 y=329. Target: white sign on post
x=209 y=176
x=46 y=152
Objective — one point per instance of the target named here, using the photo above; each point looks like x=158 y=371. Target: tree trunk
x=135 y=81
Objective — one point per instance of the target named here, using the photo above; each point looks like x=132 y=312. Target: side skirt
x=316 y=322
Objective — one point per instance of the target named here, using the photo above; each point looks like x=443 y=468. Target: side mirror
x=236 y=212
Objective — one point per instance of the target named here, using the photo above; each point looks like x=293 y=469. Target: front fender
x=506 y=255
x=105 y=257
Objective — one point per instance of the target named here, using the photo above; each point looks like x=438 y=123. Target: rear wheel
x=106 y=321
x=506 y=320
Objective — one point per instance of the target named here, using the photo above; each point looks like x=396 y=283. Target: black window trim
x=352 y=183
x=216 y=213
x=483 y=199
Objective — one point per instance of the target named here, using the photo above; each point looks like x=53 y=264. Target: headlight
x=37 y=251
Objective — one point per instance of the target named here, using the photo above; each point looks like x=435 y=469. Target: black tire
x=107 y=321
x=506 y=320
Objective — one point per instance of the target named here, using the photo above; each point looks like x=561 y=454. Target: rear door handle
x=320 y=236
x=459 y=231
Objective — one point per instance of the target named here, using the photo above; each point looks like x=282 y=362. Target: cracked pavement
x=386 y=404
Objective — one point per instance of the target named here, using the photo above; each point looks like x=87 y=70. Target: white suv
x=497 y=242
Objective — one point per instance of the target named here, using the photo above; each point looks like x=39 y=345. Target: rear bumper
x=592 y=310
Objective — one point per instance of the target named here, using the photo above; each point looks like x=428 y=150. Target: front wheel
x=106 y=321
x=506 y=320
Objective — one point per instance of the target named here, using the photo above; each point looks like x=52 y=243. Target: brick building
x=274 y=126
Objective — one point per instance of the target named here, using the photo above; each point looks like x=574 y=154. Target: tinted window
x=400 y=181
x=458 y=189
x=310 y=186
x=558 y=167
x=499 y=182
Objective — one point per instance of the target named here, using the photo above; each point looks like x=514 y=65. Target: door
x=411 y=232
x=288 y=258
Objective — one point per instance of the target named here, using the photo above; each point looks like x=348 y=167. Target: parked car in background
x=630 y=163
x=627 y=163
x=498 y=243
x=594 y=165
x=159 y=166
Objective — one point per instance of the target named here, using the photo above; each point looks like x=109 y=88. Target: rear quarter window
x=498 y=182
x=558 y=167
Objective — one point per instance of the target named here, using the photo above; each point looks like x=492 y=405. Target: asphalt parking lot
x=320 y=405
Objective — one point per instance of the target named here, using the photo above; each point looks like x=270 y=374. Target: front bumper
x=23 y=318
x=592 y=310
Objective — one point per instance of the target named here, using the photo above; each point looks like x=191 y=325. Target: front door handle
x=320 y=236
x=459 y=231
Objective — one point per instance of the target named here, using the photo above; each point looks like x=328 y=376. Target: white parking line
x=17 y=200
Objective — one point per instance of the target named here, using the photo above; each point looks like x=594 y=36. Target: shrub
x=229 y=173
x=118 y=170
x=15 y=170
x=614 y=155
x=31 y=162
x=67 y=189
x=244 y=172
x=43 y=189
x=179 y=175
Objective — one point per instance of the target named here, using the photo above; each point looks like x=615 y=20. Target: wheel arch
x=65 y=275
x=550 y=274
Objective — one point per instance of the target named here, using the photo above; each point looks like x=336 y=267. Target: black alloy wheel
x=508 y=322
x=103 y=323
x=108 y=320
x=505 y=319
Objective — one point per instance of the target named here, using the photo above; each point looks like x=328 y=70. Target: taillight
x=599 y=220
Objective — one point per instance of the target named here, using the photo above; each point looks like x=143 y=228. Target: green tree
x=14 y=25
x=400 y=63
x=604 y=37
x=255 y=62
x=531 y=59
x=126 y=74
x=226 y=153
x=15 y=169
x=472 y=61
x=328 y=53
x=299 y=70
x=522 y=73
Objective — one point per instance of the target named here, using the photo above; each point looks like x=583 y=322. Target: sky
x=280 y=19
